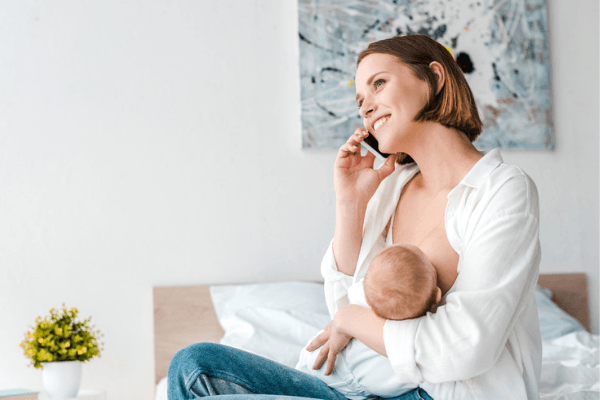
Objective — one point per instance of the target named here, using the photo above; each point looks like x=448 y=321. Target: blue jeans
x=208 y=369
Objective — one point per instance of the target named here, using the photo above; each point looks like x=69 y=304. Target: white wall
x=111 y=181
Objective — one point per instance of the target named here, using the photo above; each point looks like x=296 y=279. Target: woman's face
x=390 y=96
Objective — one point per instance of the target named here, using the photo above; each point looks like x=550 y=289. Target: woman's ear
x=438 y=295
x=441 y=74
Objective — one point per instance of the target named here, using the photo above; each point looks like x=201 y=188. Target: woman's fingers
x=317 y=342
x=331 y=356
x=321 y=357
x=352 y=145
x=369 y=159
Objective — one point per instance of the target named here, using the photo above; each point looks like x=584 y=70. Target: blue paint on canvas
x=501 y=45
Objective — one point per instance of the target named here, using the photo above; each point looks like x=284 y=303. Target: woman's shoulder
x=505 y=187
x=513 y=183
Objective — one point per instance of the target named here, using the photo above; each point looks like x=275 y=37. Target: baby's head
x=401 y=283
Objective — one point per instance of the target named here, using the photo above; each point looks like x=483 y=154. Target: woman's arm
x=347 y=239
x=355 y=182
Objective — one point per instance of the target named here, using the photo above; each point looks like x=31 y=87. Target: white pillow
x=554 y=322
x=273 y=320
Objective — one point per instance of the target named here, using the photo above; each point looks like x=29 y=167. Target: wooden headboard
x=569 y=292
x=184 y=315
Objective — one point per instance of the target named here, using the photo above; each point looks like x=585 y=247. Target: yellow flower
x=68 y=344
x=84 y=349
x=41 y=340
x=30 y=351
x=20 y=344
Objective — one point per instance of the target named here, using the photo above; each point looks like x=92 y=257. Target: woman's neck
x=444 y=156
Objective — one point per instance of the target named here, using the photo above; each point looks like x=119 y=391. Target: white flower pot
x=61 y=379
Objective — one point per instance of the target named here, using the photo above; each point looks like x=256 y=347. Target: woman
x=474 y=217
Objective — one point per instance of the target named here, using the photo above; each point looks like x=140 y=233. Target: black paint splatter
x=370 y=28
x=465 y=63
x=303 y=38
x=496 y=76
x=326 y=110
x=331 y=69
x=439 y=32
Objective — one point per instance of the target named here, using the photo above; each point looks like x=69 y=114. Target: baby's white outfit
x=359 y=371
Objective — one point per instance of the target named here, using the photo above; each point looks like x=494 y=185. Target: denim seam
x=225 y=376
x=419 y=394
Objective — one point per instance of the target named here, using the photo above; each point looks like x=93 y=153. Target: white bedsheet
x=570 y=367
x=276 y=319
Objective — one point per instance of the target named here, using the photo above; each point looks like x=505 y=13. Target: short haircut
x=400 y=283
x=454 y=106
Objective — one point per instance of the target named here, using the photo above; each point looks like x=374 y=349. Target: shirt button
x=459 y=247
x=469 y=382
x=450 y=214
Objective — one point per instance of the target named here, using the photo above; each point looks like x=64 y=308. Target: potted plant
x=58 y=344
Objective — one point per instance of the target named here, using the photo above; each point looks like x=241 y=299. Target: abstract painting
x=501 y=46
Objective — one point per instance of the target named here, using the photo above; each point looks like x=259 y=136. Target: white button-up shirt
x=483 y=341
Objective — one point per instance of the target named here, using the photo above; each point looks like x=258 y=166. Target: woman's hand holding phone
x=355 y=180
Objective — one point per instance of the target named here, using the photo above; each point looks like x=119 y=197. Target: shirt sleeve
x=498 y=271
x=336 y=283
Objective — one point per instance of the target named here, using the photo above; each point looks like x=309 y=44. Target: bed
x=286 y=314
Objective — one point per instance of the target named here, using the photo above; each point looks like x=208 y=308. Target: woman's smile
x=380 y=122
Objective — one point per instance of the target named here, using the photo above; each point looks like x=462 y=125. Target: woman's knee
x=194 y=357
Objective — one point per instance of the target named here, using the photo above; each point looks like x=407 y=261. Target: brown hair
x=454 y=106
x=400 y=283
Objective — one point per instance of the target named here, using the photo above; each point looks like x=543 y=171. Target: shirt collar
x=476 y=176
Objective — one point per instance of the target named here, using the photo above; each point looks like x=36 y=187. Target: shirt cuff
x=336 y=283
x=399 y=340
x=329 y=269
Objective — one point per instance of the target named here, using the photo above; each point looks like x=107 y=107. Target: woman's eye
x=378 y=83
x=359 y=104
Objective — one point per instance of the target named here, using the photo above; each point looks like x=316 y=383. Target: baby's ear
x=438 y=295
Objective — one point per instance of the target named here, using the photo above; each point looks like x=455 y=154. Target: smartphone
x=372 y=145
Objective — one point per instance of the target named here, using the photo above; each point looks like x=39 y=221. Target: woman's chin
x=386 y=149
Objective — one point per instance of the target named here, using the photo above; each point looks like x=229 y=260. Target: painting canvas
x=501 y=46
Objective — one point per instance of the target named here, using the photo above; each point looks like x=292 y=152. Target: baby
x=400 y=284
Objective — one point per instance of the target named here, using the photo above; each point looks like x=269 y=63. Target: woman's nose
x=366 y=109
